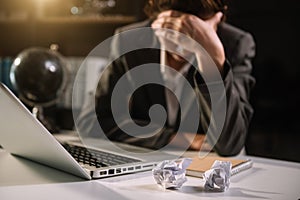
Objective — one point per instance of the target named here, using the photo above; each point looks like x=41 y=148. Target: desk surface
x=23 y=179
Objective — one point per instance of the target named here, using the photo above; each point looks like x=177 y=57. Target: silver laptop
x=23 y=135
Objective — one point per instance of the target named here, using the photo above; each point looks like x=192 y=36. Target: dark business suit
x=238 y=82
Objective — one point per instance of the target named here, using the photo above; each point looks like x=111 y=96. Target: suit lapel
x=156 y=92
x=188 y=100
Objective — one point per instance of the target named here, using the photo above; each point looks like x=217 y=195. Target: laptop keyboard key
x=96 y=158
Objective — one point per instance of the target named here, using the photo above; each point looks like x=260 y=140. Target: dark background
x=275 y=129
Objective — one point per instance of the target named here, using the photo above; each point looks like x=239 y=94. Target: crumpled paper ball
x=218 y=177
x=171 y=173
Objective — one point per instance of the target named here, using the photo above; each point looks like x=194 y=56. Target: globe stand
x=38 y=112
x=39 y=76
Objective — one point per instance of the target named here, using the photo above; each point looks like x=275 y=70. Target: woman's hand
x=202 y=31
x=192 y=140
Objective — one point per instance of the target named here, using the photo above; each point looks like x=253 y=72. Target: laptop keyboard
x=96 y=158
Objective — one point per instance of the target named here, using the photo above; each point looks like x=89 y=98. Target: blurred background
x=77 y=26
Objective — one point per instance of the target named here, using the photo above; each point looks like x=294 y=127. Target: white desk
x=23 y=179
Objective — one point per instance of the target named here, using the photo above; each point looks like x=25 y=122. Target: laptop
x=23 y=135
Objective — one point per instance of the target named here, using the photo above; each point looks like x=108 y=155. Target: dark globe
x=38 y=75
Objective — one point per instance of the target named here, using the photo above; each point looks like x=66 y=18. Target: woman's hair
x=200 y=8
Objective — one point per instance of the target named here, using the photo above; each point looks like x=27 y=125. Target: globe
x=38 y=75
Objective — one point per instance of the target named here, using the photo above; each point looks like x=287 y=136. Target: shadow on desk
x=19 y=171
x=233 y=192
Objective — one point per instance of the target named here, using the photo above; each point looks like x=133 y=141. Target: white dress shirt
x=175 y=81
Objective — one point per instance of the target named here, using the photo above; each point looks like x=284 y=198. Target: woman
x=230 y=48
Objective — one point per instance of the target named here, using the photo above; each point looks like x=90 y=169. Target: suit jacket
x=239 y=50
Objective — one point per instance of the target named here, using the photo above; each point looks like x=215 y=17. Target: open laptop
x=23 y=135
